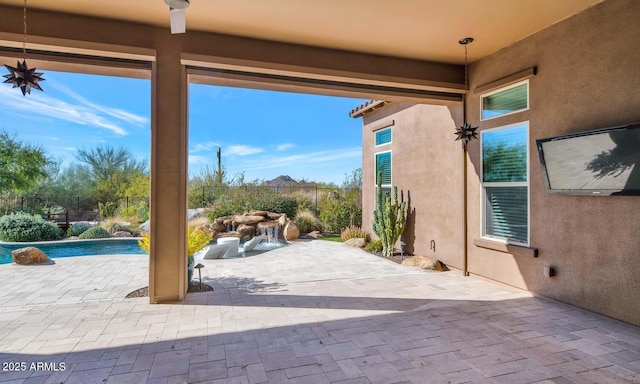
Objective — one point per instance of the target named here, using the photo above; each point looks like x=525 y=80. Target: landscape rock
x=313 y=235
x=357 y=242
x=144 y=227
x=283 y=220
x=258 y=213
x=241 y=219
x=29 y=255
x=424 y=262
x=291 y=231
x=122 y=234
x=274 y=216
x=246 y=231
x=218 y=226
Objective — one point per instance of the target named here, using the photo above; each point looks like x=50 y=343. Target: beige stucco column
x=167 y=258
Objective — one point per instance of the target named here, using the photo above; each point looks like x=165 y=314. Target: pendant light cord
x=24 y=38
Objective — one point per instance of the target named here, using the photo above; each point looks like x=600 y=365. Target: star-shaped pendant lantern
x=466 y=133
x=24 y=78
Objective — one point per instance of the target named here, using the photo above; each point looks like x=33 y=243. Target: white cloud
x=285 y=146
x=83 y=113
x=241 y=150
x=312 y=158
x=202 y=147
x=197 y=160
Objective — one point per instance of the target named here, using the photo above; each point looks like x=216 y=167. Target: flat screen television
x=601 y=162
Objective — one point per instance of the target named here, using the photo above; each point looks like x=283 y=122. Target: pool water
x=75 y=248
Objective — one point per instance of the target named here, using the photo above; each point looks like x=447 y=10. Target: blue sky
x=262 y=133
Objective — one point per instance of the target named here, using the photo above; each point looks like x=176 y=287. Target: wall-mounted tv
x=600 y=162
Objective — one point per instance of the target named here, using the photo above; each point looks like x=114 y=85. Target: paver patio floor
x=313 y=312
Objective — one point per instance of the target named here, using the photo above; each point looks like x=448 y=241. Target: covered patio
x=313 y=312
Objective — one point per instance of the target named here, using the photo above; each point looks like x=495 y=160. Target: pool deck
x=313 y=312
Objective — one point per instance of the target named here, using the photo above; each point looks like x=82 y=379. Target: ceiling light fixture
x=465 y=133
x=21 y=76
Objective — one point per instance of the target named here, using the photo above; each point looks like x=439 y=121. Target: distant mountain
x=280 y=181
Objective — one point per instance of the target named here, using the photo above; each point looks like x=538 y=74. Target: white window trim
x=483 y=194
x=380 y=130
x=500 y=90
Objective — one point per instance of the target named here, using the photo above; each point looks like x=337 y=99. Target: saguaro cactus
x=388 y=219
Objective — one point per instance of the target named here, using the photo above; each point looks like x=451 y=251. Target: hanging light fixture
x=21 y=76
x=465 y=132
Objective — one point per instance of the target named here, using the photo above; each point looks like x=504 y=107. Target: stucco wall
x=587 y=78
x=427 y=169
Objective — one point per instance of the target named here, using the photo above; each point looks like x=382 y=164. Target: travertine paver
x=313 y=312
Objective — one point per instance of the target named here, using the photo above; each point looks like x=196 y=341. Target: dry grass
x=353 y=231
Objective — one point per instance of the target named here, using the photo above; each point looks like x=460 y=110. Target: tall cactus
x=388 y=219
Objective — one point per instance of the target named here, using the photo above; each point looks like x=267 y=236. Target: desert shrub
x=338 y=213
x=94 y=233
x=115 y=224
x=352 y=231
x=305 y=204
x=307 y=221
x=22 y=226
x=276 y=203
x=77 y=229
x=374 y=246
x=107 y=209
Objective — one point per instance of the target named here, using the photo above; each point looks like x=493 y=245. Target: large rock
x=291 y=231
x=267 y=224
x=249 y=219
x=258 y=213
x=218 y=226
x=246 y=231
x=357 y=242
x=29 y=255
x=424 y=262
x=122 y=234
x=283 y=220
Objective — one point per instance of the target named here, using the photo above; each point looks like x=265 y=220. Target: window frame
x=484 y=185
x=375 y=177
x=375 y=135
x=502 y=89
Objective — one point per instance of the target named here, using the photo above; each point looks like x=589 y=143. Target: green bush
x=276 y=203
x=77 y=229
x=374 y=246
x=337 y=213
x=243 y=202
x=94 y=233
x=307 y=221
x=20 y=227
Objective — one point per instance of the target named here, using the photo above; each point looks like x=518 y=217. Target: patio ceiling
x=415 y=29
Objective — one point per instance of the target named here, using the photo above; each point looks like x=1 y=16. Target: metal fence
x=80 y=208
x=86 y=207
x=207 y=195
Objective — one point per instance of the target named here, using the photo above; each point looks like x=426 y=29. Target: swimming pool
x=69 y=248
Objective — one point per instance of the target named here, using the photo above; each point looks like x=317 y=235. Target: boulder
x=357 y=242
x=218 y=226
x=274 y=216
x=246 y=231
x=424 y=262
x=313 y=235
x=122 y=234
x=291 y=231
x=145 y=227
x=283 y=220
x=29 y=255
x=258 y=213
x=250 y=219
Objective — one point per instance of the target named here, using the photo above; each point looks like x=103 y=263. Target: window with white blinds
x=512 y=99
x=505 y=182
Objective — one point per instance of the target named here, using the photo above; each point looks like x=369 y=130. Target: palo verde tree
x=109 y=169
x=21 y=165
x=388 y=219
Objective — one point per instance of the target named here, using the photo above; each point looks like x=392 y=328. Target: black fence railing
x=79 y=208
x=82 y=208
x=207 y=195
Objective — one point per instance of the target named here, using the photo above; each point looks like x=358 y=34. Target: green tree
x=21 y=165
x=109 y=169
